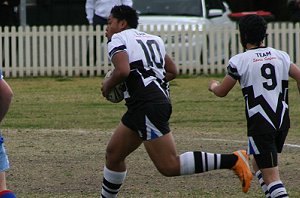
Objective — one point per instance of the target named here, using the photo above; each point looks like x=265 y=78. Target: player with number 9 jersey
x=263 y=74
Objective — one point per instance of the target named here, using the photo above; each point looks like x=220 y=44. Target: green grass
x=60 y=104
x=66 y=103
x=76 y=103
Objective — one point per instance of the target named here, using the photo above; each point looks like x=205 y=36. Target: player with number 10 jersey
x=140 y=60
x=146 y=53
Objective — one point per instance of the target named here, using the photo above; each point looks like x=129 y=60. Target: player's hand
x=104 y=89
x=213 y=84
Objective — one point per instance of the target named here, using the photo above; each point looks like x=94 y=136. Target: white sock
x=198 y=162
x=262 y=183
x=277 y=189
x=112 y=182
x=187 y=163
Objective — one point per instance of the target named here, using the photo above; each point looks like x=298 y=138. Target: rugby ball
x=116 y=95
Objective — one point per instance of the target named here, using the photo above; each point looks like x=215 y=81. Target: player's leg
x=160 y=145
x=123 y=142
x=265 y=149
x=277 y=188
x=270 y=176
x=260 y=179
x=162 y=152
x=4 y=165
x=2 y=181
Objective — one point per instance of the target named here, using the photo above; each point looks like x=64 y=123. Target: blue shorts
x=4 y=163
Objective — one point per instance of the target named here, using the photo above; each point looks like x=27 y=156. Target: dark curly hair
x=127 y=13
x=253 y=29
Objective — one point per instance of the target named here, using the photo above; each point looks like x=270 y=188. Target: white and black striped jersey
x=146 y=52
x=263 y=75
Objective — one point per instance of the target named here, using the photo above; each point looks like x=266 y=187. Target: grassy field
x=57 y=129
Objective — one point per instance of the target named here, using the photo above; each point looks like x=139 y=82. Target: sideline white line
x=239 y=141
x=292 y=145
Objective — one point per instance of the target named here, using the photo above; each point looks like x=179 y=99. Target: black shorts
x=149 y=121
x=265 y=148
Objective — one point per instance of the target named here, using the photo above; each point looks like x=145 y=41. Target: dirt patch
x=69 y=163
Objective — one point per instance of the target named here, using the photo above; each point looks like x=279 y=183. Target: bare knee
x=169 y=169
x=114 y=160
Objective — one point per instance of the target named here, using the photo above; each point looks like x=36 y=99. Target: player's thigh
x=122 y=143
x=162 y=152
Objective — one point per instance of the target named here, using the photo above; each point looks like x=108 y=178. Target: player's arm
x=170 y=67
x=6 y=95
x=222 y=89
x=127 y=2
x=89 y=10
x=120 y=73
x=295 y=74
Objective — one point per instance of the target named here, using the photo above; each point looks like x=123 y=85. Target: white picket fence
x=82 y=50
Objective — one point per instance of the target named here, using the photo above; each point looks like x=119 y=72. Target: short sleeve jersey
x=263 y=75
x=146 y=53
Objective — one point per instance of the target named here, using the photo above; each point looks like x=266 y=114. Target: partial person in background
x=294 y=10
x=97 y=11
x=6 y=95
x=263 y=73
x=8 y=15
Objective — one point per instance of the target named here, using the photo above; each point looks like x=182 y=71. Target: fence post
x=69 y=50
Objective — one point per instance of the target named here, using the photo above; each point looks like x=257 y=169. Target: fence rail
x=81 y=50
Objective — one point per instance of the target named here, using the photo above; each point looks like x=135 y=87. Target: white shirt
x=146 y=54
x=102 y=8
x=263 y=74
